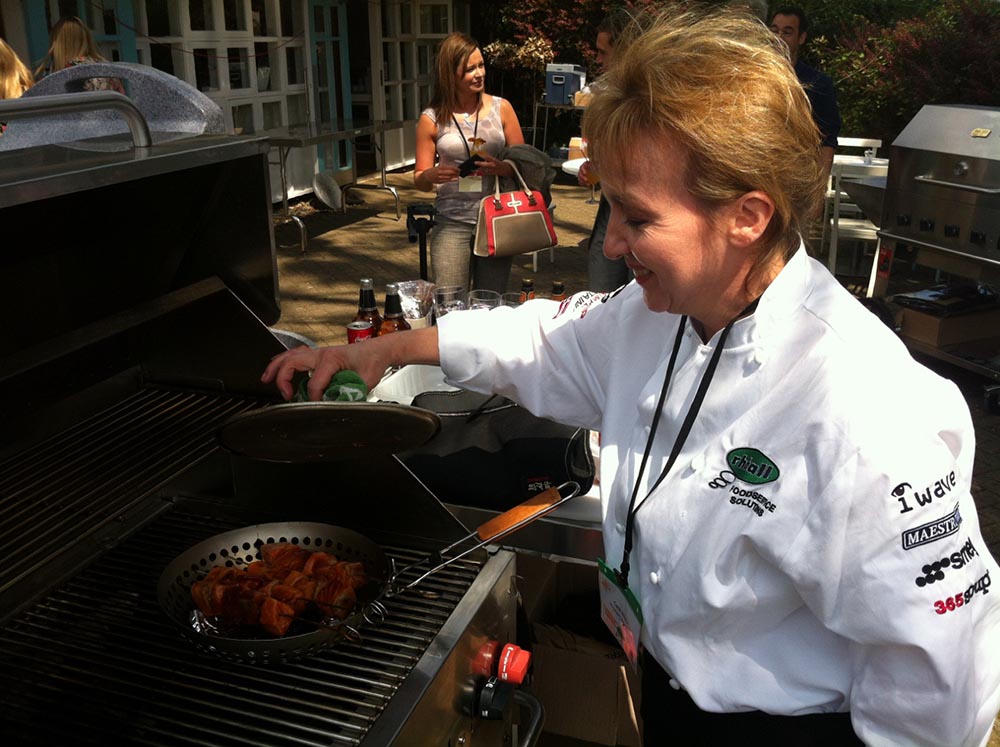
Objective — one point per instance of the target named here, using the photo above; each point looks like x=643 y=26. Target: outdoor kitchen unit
x=941 y=209
x=136 y=324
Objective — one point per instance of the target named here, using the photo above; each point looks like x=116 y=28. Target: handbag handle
x=524 y=186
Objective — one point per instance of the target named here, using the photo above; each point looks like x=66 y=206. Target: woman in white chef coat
x=801 y=543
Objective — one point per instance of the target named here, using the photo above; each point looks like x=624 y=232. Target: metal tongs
x=496 y=528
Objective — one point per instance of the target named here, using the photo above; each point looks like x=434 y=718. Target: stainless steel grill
x=943 y=188
x=142 y=314
x=97 y=661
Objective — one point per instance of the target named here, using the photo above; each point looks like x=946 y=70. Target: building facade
x=269 y=63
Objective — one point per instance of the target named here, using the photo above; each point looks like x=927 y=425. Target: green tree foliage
x=884 y=75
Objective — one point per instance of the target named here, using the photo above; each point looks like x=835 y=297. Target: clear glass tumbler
x=448 y=298
x=483 y=299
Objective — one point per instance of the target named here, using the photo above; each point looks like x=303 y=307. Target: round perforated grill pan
x=327 y=431
x=239 y=548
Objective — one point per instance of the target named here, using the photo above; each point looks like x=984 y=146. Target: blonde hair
x=453 y=53
x=720 y=85
x=15 y=77
x=70 y=39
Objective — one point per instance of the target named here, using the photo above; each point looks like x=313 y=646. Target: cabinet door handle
x=956 y=185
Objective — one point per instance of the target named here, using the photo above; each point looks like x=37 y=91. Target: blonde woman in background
x=71 y=43
x=15 y=77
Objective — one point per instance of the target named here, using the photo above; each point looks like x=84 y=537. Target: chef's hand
x=583 y=174
x=368 y=359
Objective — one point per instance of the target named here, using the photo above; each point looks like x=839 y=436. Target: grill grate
x=81 y=479
x=97 y=661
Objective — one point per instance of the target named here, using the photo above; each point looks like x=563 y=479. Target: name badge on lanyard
x=471 y=183
x=620 y=611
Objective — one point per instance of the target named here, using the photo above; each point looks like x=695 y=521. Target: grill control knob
x=961 y=168
x=495 y=699
x=977 y=237
x=926 y=224
x=903 y=220
x=952 y=231
x=514 y=663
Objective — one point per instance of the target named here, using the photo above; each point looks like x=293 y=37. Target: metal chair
x=842 y=218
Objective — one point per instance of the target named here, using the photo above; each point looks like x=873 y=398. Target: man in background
x=791 y=26
x=603 y=274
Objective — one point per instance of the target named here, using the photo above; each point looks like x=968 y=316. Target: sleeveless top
x=450 y=203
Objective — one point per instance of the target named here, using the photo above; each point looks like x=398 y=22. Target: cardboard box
x=586 y=685
x=575 y=148
x=950 y=330
x=562 y=82
x=581 y=99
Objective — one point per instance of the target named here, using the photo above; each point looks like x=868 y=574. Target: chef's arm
x=369 y=359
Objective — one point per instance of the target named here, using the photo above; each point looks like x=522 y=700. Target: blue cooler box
x=562 y=82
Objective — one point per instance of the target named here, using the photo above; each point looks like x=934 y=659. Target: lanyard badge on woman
x=472 y=182
x=620 y=608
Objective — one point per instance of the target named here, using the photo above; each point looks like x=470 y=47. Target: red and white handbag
x=513 y=222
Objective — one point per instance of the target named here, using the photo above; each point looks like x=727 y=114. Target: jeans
x=452 y=261
x=603 y=274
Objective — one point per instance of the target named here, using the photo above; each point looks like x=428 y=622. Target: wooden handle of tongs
x=533 y=508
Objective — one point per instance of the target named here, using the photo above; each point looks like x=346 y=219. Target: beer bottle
x=558 y=291
x=527 y=289
x=394 y=320
x=367 y=308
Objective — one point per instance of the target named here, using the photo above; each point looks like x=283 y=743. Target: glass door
x=411 y=29
x=331 y=85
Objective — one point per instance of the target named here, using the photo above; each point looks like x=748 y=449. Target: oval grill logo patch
x=752 y=466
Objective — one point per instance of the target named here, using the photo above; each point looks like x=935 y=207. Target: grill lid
x=970 y=131
x=327 y=431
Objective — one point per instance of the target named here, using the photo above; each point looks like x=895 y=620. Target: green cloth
x=345 y=386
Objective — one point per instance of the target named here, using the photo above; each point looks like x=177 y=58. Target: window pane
x=408 y=105
x=406 y=18
x=297 y=109
x=319 y=20
x=158 y=18
x=291 y=19
x=258 y=12
x=206 y=70
x=406 y=57
x=433 y=19
x=293 y=64
x=233 y=12
x=161 y=57
x=200 y=12
x=272 y=114
x=424 y=56
x=321 y=77
x=262 y=60
x=243 y=119
x=239 y=68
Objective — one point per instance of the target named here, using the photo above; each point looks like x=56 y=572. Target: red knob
x=484 y=663
x=514 y=663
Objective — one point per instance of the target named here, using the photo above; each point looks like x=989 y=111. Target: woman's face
x=472 y=75
x=681 y=258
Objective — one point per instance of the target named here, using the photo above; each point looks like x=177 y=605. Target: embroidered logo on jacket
x=932 y=530
x=926 y=495
x=952 y=603
x=752 y=466
x=935 y=571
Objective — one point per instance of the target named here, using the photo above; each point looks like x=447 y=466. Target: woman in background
x=71 y=43
x=462 y=120
x=15 y=77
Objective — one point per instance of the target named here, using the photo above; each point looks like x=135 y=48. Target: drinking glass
x=483 y=299
x=448 y=298
x=510 y=299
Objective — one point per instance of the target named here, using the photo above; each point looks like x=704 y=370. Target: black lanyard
x=682 y=434
x=475 y=130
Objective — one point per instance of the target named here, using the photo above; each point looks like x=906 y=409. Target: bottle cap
x=367 y=283
x=391 y=289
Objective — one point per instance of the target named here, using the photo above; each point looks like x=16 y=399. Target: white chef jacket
x=815 y=547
